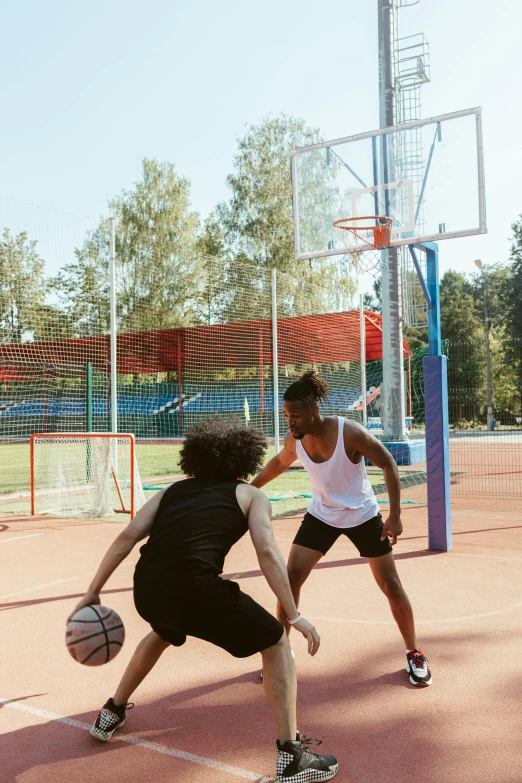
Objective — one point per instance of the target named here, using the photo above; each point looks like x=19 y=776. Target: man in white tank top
x=332 y=451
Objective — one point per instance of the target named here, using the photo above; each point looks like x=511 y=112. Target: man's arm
x=120 y=548
x=277 y=464
x=357 y=437
x=273 y=565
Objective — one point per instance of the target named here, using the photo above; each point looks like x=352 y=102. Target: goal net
x=86 y=475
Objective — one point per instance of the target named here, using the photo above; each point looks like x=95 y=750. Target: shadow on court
x=256 y=573
x=381 y=728
x=354 y=694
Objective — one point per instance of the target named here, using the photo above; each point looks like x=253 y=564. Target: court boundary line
x=17 y=538
x=57 y=582
x=220 y=766
x=464 y=618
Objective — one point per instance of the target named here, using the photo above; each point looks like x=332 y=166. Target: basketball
x=94 y=635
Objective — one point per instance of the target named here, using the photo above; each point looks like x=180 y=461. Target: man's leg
x=300 y=562
x=386 y=576
x=145 y=657
x=113 y=714
x=294 y=761
x=280 y=684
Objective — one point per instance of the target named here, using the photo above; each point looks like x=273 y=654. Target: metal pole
x=392 y=390
x=275 y=362
x=488 y=357
x=88 y=416
x=114 y=358
x=363 y=361
x=88 y=397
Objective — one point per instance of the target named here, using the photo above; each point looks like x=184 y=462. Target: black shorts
x=315 y=534
x=221 y=614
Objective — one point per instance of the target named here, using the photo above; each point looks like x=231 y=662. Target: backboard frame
x=414 y=239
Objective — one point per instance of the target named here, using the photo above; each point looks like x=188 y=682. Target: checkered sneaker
x=110 y=718
x=296 y=764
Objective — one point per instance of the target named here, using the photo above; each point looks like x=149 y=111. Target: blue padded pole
x=437 y=419
x=432 y=284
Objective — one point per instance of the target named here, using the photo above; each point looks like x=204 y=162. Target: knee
x=279 y=652
x=391 y=587
x=156 y=643
x=296 y=576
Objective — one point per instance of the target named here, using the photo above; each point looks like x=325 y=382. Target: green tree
x=159 y=271
x=504 y=297
x=256 y=224
x=513 y=298
x=83 y=285
x=463 y=335
x=22 y=287
x=373 y=301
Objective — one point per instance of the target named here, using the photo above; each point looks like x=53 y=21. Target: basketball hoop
x=363 y=239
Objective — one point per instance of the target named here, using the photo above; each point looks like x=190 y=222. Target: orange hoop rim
x=382 y=222
x=366 y=237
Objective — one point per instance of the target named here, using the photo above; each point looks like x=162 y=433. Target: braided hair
x=309 y=388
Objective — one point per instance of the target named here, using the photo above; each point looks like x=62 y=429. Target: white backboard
x=428 y=176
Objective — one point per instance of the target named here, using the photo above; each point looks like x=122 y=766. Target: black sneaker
x=418 y=669
x=109 y=719
x=296 y=764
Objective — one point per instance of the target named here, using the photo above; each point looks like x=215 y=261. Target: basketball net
x=363 y=240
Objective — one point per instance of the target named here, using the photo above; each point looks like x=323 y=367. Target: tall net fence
x=189 y=345
x=195 y=338
x=485 y=462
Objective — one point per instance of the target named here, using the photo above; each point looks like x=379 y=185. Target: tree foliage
x=22 y=288
x=159 y=269
x=255 y=225
x=513 y=296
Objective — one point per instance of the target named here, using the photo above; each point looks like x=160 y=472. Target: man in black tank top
x=191 y=527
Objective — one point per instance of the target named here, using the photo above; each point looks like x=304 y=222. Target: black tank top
x=197 y=523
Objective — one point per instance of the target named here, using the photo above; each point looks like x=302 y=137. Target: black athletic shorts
x=316 y=534
x=220 y=614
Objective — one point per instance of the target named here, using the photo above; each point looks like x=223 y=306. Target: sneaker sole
x=106 y=736
x=310 y=776
x=420 y=683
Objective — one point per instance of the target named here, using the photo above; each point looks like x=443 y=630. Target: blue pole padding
x=437 y=452
x=432 y=284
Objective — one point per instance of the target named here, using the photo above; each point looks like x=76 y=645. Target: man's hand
x=87 y=600
x=392 y=527
x=310 y=634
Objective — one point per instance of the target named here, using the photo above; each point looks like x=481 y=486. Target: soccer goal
x=84 y=474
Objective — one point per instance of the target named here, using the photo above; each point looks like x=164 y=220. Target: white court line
x=56 y=582
x=17 y=538
x=129 y=739
x=487 y=557
x=438 y=620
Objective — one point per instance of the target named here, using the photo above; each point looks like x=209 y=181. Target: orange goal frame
x=86 y=436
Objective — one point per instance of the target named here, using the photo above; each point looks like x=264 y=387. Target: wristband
x=293 y=622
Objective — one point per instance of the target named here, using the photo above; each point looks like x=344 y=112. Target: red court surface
x=202 y=716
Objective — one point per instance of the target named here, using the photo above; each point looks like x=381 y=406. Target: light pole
x=484 y=271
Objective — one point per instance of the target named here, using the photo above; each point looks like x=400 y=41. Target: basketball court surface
x=202 y=715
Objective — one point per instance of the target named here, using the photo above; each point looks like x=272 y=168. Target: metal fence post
x=275 y=361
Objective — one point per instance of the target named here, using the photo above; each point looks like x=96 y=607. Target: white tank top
x=342 y=495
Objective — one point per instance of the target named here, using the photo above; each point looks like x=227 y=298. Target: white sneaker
x=418 y=669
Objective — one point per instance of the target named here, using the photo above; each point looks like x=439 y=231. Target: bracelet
x=293 y=622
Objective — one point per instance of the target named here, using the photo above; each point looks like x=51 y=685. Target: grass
x=157 y=462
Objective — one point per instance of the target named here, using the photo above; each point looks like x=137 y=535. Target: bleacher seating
x=195 y=401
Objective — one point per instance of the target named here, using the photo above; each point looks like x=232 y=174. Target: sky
x=90 y=89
